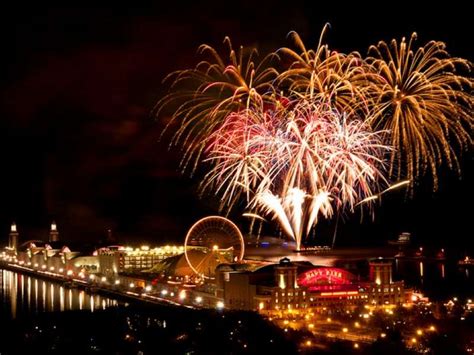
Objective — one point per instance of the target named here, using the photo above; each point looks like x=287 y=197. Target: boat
x=403 y=239
x=315 y=249
x=466 y=261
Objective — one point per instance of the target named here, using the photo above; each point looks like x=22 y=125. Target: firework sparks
x=296 y=162
x=311 y=139
x=424 y=103
x=204 y=95
x=325 y=75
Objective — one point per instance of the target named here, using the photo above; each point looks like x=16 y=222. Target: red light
x=321 y=277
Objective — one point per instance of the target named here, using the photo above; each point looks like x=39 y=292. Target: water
x=23 y=295
x=439 y=280
x=41 y=317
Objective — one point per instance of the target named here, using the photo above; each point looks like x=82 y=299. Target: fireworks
x=295 y=162
x=206 y=94
x=325 y=75
x=311 y=139
x=424 y=104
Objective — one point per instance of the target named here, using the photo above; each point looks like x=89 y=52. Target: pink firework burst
x=294 y=162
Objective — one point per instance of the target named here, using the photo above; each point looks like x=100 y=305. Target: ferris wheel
x=212 y=241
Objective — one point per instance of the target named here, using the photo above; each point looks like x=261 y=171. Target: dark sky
x=78 y=144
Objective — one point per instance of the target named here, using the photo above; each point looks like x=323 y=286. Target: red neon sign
x=325 y=276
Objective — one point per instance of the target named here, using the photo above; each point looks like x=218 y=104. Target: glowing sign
x=339 y=293
x=324 y=276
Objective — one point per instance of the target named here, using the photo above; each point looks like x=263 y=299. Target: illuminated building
x=380 y=271
x=332 y=287
x=381 y=289
x=13 y=237
x=119 y=259
x=287 y=294
x=53 y=233
x=300 y=285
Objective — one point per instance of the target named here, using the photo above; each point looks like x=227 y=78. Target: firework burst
x=201 y=97
x=325 y=75
x=295 y=163
x=424 y=104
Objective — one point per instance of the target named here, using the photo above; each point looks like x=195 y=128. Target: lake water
x=22 y=294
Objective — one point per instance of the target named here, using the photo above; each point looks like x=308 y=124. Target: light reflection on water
x=438 y=279
x=21 y=294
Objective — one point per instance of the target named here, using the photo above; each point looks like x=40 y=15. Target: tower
x=285 y=274
x=381 y=271
x=111 y=237
x=13 y=237
x=53 y=233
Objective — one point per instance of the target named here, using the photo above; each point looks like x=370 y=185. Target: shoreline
x=92 y=289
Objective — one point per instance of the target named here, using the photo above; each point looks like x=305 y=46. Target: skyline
x=92 y=160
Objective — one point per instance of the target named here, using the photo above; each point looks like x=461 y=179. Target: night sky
x=80 y=146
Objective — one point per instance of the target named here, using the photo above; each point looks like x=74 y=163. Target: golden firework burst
x=423 y=99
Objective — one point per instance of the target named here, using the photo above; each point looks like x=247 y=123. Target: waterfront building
x=299 y=285
x=53 y=233
x=13 y=238
x=119 y=259
x=261 y=286
x=382 y=289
